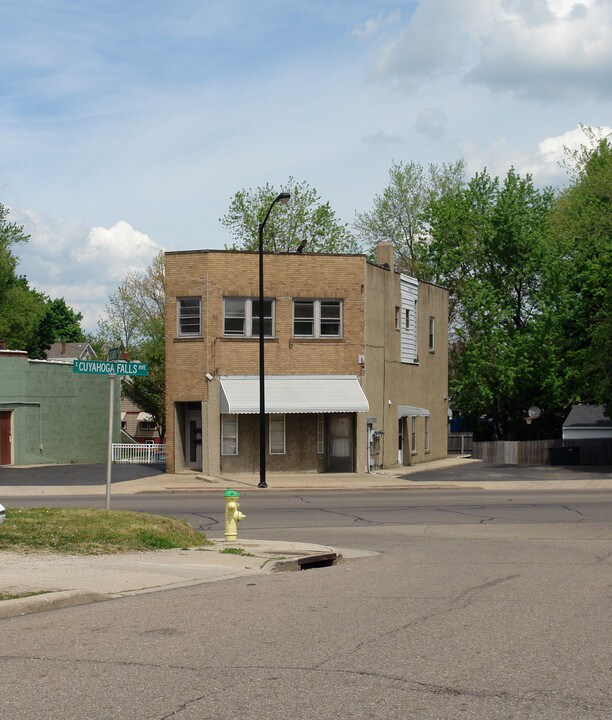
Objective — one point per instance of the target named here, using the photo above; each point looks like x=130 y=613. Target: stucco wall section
x=57 y=416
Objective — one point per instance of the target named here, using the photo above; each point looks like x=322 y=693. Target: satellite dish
x=534 y=412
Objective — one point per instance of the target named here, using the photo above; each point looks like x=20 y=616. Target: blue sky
x=126 y=127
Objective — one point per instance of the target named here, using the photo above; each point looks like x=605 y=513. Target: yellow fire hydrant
x=232 y=515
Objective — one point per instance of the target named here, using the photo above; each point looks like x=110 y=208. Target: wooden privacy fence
x=545 y=452
x=459 y=443
x=140 y=454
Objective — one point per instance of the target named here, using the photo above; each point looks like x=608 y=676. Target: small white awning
x=412 y=411
x=293 y=394
x=145 y=417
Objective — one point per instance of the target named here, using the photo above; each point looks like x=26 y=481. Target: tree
x=135 y=316
x=491 y=247
x=305 y=217
x=10 y=234
x=399 y=215
x=59 y=323
x=582 y=224
x=21 y=310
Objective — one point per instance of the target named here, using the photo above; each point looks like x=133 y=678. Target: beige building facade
x=355 y=363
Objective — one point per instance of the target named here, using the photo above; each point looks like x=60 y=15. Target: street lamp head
x=283 y=198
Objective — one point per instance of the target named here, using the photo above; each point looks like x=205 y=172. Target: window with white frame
x=406 y=319
x=277 y=434
x=146 y=425
x=397 y=317
x=413 y=435
x=426 y=436
x=229 y=434
x=432 y=334
x=317 y=318
x=320 y=434
x=241 y=317
x=188 y=320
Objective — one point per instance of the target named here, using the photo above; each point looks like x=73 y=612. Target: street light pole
x=281 y=198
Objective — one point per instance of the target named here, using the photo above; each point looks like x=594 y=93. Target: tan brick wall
x=213 y=275
x=369 y=294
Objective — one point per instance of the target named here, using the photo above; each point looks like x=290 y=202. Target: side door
x=6 y=437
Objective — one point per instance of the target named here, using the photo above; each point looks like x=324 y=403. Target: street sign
x=104 y=367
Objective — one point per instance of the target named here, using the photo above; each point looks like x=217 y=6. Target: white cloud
x=541 y=49
x=65 y=258
x=545 y=162
x=115 y=251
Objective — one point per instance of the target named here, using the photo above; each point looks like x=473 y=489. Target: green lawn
x=88 y=531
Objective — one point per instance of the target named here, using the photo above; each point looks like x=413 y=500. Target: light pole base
x=262 y=485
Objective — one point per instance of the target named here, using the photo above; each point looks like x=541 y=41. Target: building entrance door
x=193 y=439
x=400 y=441
x=341 y=441
x=6 y=440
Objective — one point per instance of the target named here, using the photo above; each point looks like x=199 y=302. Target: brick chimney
x=63 y=348
x=384 y=254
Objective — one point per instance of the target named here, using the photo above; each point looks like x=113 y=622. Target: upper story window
x=241 y=317
x=317 y=318
x=188 y=316
x=432 y=334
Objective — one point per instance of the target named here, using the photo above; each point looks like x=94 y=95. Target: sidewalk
x=416 y=477
x=69 y=580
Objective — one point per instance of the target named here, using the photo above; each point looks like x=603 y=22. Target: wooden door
x=6 y=450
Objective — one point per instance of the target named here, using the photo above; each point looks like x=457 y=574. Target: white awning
x=293 y=394
x=412 y=411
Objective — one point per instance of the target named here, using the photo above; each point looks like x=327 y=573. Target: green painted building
x=48 y=414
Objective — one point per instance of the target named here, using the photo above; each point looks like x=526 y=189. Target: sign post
x=112 y=369
x=109 y=455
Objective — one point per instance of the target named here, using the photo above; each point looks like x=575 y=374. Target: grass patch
x=236 y=551
x=16 y=596
x=88 y=531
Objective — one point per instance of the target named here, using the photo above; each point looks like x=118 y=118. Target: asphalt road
x=493 y=606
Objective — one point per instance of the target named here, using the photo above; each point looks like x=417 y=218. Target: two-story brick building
x=356 y=363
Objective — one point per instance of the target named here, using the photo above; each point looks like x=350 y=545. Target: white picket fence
x=139 y=453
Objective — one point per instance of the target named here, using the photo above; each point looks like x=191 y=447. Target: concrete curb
x=49 y=601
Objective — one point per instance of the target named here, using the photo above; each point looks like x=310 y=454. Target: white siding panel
x=409 y=340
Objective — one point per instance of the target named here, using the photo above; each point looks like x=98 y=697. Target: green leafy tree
x=582 y=225
x=491 y=247
x=59 y=323
x=304 y=218
x=21 y=311
x=20 y=307
x=399 y=214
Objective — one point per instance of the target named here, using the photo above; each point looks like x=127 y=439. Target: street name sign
x=105 y=367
